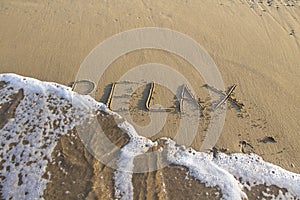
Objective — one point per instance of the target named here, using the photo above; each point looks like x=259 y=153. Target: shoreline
x=226 y=172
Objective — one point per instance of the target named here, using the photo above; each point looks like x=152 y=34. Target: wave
x=36 y=114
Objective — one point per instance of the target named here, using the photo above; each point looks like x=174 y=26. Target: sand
x=255 y=45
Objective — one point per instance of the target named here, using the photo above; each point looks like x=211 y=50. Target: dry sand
x=255 y=45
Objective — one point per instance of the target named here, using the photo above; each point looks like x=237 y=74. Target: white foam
x=28 y=139
x=253 y=170
x=202 y=167
x=49 y=110
x=226 y=171
x=230 y=173
x=123 y=176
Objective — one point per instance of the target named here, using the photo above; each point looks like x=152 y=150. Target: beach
x=254 y=45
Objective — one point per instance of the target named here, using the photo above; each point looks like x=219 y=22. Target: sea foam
x=47 y=111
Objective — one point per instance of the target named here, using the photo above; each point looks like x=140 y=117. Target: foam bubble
x=123 y=175
x=231 y=172
x=253 y=170
x=44 y=113
x=48 y=110
x=202 y=167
